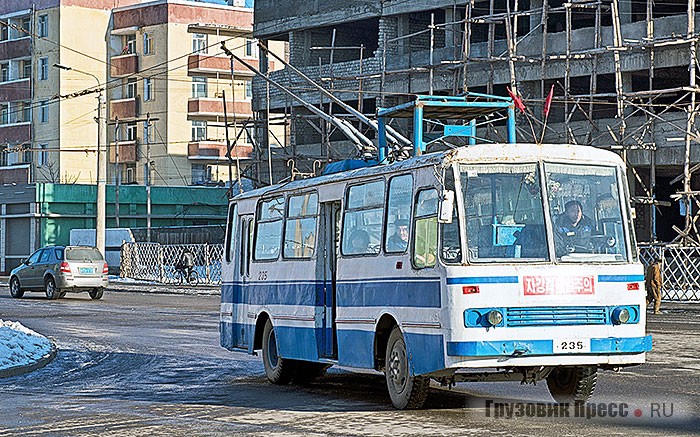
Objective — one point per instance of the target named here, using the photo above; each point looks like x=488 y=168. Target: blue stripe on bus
x=396 y=293
x=620 y=278
x=470 y=280
x=273 y=293
x=517 y=348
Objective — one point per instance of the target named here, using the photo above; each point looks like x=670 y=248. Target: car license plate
x=571 y=345
x=86 y=270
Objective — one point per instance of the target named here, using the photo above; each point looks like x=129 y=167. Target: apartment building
x=624 y=76
x=159 y=71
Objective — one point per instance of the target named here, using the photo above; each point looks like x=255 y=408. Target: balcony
x=124 y=65
x=16 y=132
x=15 y=90
x=210 y=65
x=213 y=109
x=128 y=152
x=216 y=151
x=15 y=174
x=15 y=48
x=123 y=109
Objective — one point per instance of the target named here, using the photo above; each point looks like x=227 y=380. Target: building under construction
x=623 y=74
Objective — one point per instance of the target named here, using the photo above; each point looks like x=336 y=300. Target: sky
x=20 y=346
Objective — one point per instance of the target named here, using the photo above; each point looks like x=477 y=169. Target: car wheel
x=15 y=289
x=52 y=293
x=96 y=293
x=572 y=384
x=277 y=369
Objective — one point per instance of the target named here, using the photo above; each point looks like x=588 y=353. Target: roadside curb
x=27 y=368
x=163 y=289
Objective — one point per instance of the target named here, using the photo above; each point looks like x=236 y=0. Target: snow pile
x=20 y=346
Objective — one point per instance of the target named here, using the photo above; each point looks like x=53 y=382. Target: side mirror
x=447 y=205
x=24 y=261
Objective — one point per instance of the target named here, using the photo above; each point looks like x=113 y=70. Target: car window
x=88 y=254
x=35 y=257
x=45 y=256
x=59 y=253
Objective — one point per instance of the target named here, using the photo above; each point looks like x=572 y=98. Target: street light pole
x=100 y=224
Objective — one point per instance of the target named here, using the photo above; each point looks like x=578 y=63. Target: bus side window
x=451 y=249
x=398 y=215
x=425 y=224
x=231 y=230
x=268 y=229
x=362 y=222
x=300 y=226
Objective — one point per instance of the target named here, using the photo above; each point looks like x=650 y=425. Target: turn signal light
x=470 y=289
x=65 y=267
x=633 y=286
x=105 y=269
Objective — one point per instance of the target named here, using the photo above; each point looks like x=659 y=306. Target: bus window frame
x=458 y=209
x=414 y=218
x=256 y=221
x=385 y=219
x=286 y=219
x=231 y=230
x=344 y=210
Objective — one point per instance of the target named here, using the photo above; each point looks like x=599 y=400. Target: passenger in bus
x=359 y=242
x=399 y=241
x=573 y=227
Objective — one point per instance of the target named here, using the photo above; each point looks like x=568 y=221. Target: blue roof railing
x=462 y=109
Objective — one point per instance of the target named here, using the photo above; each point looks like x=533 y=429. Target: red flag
x=516 y=100
x=548 y=101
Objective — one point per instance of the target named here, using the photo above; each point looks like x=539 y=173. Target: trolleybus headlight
x=494 y=317
x=620 y=315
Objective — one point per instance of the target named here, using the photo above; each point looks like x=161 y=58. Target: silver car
x=60 y=269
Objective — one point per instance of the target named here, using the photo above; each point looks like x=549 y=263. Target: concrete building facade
x=623 y=73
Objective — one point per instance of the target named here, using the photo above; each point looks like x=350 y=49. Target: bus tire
x=572 y=384
x=405 y=391
x=278 y=370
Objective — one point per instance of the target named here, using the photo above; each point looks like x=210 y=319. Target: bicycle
x=186 y=274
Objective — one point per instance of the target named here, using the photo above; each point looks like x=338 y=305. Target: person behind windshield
x=574 y=227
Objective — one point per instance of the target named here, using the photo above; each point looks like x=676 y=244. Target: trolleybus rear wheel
x=277 y=369
x=406 y=391
x=572 y=384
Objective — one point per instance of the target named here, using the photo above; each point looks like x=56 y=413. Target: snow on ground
x=20 y=346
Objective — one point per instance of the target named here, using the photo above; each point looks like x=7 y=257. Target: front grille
x=555 y=316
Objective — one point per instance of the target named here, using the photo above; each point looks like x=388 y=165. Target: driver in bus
x=574 y=227
x=399 y=241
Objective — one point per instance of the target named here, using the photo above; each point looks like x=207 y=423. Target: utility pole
x=100 y=219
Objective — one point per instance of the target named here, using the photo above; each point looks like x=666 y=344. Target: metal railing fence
x=680 y=270
x=156 y=262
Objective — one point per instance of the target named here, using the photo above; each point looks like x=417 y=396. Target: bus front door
x=327 y=262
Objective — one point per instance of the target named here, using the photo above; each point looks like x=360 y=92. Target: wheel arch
x=382 y=331
x=260 y=321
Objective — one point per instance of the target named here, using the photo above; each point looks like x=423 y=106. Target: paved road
x=146 y=364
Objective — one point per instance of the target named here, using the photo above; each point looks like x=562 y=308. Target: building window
x=248 y=89
x=130 y=89
x=199 y=86
x=43 y=68
x=44 y=112
x=249 y=45
x=147 y=133
x=199 y=130
x=5 y=72
x=129 y=45
x=4 y=32
x=199 y=43
x=148 y=89
x=147 y=44
x=42 y=156
x=25 y=27
x=43 y=27
x=25 y=112
x=27 y=69
x=4 y=114
x=201 y=173
x=131 y=132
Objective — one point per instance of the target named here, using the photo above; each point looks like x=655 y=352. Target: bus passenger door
x=326 y=272
x=243 y=331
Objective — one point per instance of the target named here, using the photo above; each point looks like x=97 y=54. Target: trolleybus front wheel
x=406 y=391
x=572 y=384
x=277 y=369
